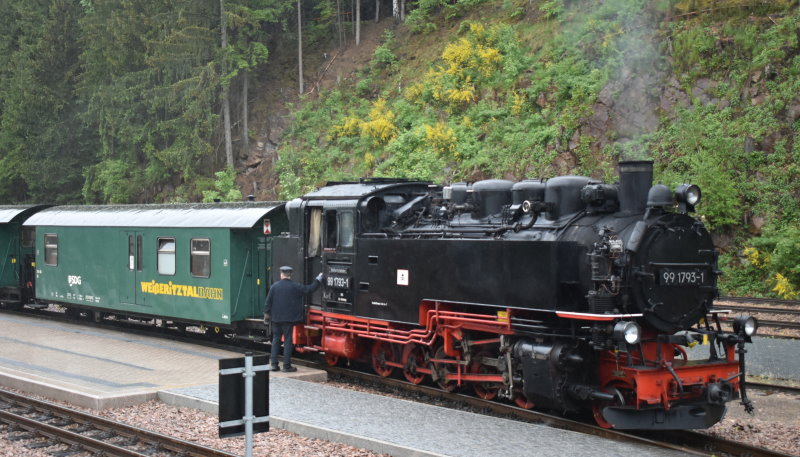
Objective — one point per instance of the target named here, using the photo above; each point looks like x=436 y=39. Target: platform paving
x=404 y=428
x=98 y=368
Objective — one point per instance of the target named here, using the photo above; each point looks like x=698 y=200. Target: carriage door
x=262 y=259
x=133 y=268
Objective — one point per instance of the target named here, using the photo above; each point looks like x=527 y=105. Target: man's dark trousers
x=282 y=329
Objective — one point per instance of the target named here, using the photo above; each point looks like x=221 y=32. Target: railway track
x=764 y=309
x=47 y=425
x=691 y=443
x=688 y=442
x=762 y=301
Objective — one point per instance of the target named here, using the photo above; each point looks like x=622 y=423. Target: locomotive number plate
x=338 y=282
x=672 y=277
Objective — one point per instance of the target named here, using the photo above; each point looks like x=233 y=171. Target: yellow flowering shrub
x=517 y=103
x=461 y=96
x=784 y=288
x=350 y=127
x=441 y=139
x=755 y=257
x=380 y=126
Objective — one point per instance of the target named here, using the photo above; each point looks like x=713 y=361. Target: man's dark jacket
x=285 y=300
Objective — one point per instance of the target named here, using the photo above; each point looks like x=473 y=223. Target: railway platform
x=99 y=368
x=403 y=428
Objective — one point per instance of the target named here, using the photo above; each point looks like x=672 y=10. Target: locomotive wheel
x=443 y=369
x=414 y=356
x=598 y=405
x=381 y=353
x=522 y=401
x=485 y=390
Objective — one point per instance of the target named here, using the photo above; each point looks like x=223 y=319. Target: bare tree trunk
x=339 y=30
x=226 y=99
x=396 y=10
x=300 y=46
x=402 y=10
x=245 y=114
x=377 y=10
x=358 y=22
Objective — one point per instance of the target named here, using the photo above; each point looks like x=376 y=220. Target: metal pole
x=248 y=403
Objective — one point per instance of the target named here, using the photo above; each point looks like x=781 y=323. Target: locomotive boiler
x=567 y=293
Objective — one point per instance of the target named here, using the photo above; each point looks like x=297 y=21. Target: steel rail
x=688 y=442
x=762 y=301
x=138 y=435
x=759 y=309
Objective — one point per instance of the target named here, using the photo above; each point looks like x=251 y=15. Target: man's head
x=286 y=272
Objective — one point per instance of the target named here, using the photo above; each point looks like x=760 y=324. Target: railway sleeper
x=22 y=436
x=41 y=444
x=72 y=450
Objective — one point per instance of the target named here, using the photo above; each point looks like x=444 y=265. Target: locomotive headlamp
x=688 y=193
x=746 y=324
x=627 y=331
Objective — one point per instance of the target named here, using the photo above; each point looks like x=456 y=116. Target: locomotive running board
x=595 y=317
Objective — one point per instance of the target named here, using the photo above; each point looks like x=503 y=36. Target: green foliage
x=552 y=8
x=422 y=20
x=43 y=146
x=768 y=266
x=225 y=189
x=383 y=57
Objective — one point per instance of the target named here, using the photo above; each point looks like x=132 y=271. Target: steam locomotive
x=569 y=294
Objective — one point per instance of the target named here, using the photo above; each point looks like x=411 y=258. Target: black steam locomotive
x=570 y=294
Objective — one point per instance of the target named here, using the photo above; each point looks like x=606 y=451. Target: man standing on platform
x=282 y=310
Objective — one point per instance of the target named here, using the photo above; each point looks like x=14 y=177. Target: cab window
x=166 y=256
x=331 y=231
x=314 y=232
x=201 y=257
x=345 y=230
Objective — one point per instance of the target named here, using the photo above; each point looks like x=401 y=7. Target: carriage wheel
x=382 y=352
x=485 y=390
x=443 y=369
x=616 y=388
x=413 y=358
x=331 y=359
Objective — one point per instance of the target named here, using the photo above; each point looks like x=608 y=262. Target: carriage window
x=139 y=254
x=51 y=249
x=346 y=229
x=131 y=253
x=166 y=256
x=201 y=257
x=28 y=237
x=330 y=230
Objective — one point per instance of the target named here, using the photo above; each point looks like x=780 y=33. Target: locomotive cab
x=327 y=226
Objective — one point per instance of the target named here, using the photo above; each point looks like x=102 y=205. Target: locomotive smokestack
x=635 y=179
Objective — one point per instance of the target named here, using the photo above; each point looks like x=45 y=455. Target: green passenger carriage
x=16 y=254
x=205 y=264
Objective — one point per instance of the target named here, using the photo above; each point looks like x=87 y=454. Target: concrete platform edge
x=74 y=397
x=186 y=401
x=310 y=431
x=360 y=442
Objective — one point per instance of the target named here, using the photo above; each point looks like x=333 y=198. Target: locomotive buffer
x=244 y=406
